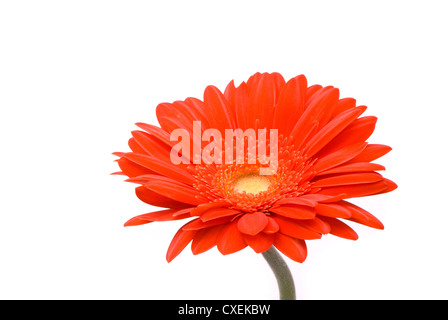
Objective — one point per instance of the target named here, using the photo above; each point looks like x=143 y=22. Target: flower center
x=242 y=186
x=251 y=183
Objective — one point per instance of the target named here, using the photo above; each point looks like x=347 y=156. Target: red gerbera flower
x=323 y=159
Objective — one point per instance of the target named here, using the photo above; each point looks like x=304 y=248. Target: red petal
x=330 y=101
x=264 y=89
x=297 y=201
x=361 y=216
x=241 y=105
x=344 y=104
x=132 y=169
x=218 y=213
x=333 y=210
x=312 y=90
x=205 y=239
x=230 y=239
x=119 y=154
x=171 y=123
x=356 y=190
x=181 y=114
x=371 y=152
x=155 y=132
x=339 y=157
x=217 y=109
x=354 y=167
x=230 y=94
x=295 y=212
x=294 y=249
x=167 y=215
x=340 y=229
x=348 y=179
x=295 y=229
x=252 y=223
x=166 y=169
x=152 y=145
x=317 y=106
x=180 y=240
x=391 y=186
x=260 y=242
x=272 y=226
x=145 y=178
x=323 y=198
x=135 y=221
x=203 y=207
x=356 y=132
x=175 y=191
x=135 y=147
x=155 y=199
x=332 y=129
x=290 y=106
x=163 y=215
x=316 y=225
x=198 y=224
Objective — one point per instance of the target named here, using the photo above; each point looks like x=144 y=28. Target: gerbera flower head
x=314 y=156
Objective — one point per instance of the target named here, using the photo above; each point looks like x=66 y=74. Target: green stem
x=282 y=274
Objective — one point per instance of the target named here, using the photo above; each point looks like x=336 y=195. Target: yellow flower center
x=251 y=183
x=242 y=186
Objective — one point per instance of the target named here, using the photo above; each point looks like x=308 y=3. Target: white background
x=76 y=75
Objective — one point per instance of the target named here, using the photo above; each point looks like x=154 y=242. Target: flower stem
x=282 y=274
